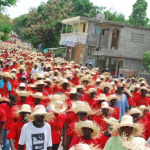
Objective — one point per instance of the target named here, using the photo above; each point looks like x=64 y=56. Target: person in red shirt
x=7 y=68
x=106 y=87
x=57 y=125
x=129 y=98
x=104 y=136
x=88 y=130
x=2 y=124
x=9 y=108
x=142 y=99
x=82 y=110
x=15 y=131
x=14 y=65
x=48 y=87
x=112 y=102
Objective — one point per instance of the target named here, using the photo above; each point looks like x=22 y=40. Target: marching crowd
x=45 y=102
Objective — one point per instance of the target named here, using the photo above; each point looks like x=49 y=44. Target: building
x=122 y=46
x=80 y=36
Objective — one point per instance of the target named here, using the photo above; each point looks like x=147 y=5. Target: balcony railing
x=76 y=37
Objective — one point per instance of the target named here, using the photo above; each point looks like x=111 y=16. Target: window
x=84 y=27
x=97 y=29
x=103 y=32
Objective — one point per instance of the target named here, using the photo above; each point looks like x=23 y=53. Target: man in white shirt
x=36 y=135
x=34 y=70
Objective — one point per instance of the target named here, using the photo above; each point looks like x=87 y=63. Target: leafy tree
x=138 y=16
x=146 y=60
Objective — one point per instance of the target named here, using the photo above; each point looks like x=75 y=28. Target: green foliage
x=58 y=53
x=146 y=60
x=138 y=16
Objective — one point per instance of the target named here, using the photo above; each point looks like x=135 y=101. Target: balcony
x=76 y=38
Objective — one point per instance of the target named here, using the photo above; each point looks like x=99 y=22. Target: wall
x=133 y=42
x=132 y=64
x=75 y=27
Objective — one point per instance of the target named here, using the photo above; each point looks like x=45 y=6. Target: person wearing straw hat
x=104 y=136
x=98 y=101
x=48 y=87
x=57 y=125
x=14 y=65
x=7 y=68
x=142 y=99
x=85 y=81
x=37 y=133
x=15 y=131
x=82 y=146
x=103 y=112
x=9 y=109
x=112 y=99
x=106 y=87
x=34 y=70
x=82 y=110
x=88 y=130
x=5 y=86
x=129 y=97
x=125 y=129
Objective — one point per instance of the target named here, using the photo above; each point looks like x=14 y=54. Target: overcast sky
x=122 y=6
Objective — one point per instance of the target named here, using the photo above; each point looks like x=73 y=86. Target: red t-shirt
x=4 y=90
x=14 y=133
x=10 y=115
x=6 y=70
x=72 y=118
x=2 y=115
x=82 y=140
x=49 y=90
x=102 y=139
x=116 y=113
x=130 y=101
x=56 y=127
x=142 y=101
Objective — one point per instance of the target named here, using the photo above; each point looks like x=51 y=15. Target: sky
x=122 y=6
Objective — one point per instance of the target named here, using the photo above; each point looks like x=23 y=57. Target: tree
x=146 y=60
x=138 y=16
x=7 y=3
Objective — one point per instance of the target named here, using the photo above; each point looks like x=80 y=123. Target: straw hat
x=80 y=106
x=65 y=81
x=106 y=85
x=85 y=78
x=6 y=74
x=128 y=92
x=101 y=97
x=91 y=90
x=82 y=146
x=14 y=70
x=142 y=108
x=22 y=85
x=87 y=124
x=38 y=95
x=134 y=111
x=73 y=91
x=102 y=77
x=111 y=97
x=105 y=105
x=127 y=120
x=21 y=67
x=112 y=121
x=143 y=88
x=24 y=108
x=40 y=82
x=23 y=93
x=79 y=87
x=98 y=80
x=40 y=110
x=59 y=106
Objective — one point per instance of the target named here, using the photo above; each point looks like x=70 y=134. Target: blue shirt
x=123 y=105
x=2 y=85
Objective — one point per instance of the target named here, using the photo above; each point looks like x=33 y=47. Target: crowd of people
x=46 y=102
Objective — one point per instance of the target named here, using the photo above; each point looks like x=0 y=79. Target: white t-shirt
x=36 y=138
x=33 y=71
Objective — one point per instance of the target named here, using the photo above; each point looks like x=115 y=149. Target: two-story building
x=123 y=45
x=80 y=36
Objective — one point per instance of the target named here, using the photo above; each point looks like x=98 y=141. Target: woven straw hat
x=127 y=120
x=134 y=111
x=59 y=106
x=80 y=106
x=65 y=81
x=105 y=105
x=23 y=93
x=112 y=121
x=40 y=110
x=22 y=85
x=24 y=108
x=85 y=78
x=82 y=146
x=40 y=82
x=98 y=80
x=91 y=90
x=14 y=70
x=101 y=97
x=111 y=97
x=38 y=95
x=143 y=88
x=6 y=74
x=87 y=124
x=79 y=87
x=142 y=108
x=22 y=67
x=128 y=92
x=73 y=91
x=106 y=85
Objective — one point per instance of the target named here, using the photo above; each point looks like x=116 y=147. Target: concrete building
x=80 y=36
x=121 y=45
